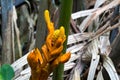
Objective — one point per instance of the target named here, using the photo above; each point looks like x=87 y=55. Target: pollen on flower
x=55 y=35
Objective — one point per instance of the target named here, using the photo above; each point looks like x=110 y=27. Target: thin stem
x=64 y=20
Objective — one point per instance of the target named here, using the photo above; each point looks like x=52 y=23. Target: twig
x=13 y=38
x=102 y=28
x=17 y=32
x=74 y=26
x=96 y=35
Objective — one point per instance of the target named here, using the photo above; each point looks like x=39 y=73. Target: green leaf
x=1 y=77
x=6 y=72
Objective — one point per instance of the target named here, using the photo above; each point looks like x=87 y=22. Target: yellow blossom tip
x=47 y=16
x=50 y=25
x=62 y=30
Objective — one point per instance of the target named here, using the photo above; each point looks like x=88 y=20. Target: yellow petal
x=58 y=43
x=65 y=57
x=47 y=16
x=57 y=51
x=49 y=42
x=50 y=25
x=55 y=35
x=62 y=30
x=45 y=52
x=35 y=57
x=61 y=59
x=39 y=55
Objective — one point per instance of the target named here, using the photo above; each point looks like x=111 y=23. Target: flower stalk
x=64 y=20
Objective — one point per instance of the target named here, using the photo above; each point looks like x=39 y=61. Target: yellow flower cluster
x=43 y=62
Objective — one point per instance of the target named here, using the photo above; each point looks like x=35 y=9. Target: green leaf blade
x=7 y=72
